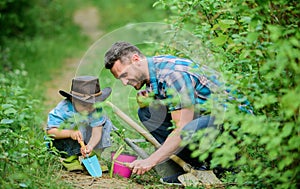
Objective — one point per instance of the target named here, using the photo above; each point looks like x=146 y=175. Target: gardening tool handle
x=186 y=167
x=82 y=144
x=126 y=164
x=134 y=125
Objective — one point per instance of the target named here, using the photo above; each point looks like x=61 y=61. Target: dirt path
x=88 y=19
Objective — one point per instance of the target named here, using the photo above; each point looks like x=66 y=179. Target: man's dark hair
x=119 y=51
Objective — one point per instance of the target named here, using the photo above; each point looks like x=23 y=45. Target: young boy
x=83 y=122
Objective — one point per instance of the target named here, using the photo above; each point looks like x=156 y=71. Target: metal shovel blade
x=92 y=165
x=207 y=179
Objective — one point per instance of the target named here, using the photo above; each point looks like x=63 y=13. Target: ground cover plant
x=31 y=41
x=25 y=162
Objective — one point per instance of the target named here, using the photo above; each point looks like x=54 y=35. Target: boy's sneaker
x=70 y=158
x=104 y=167
x=172 y=180
x=72 y=163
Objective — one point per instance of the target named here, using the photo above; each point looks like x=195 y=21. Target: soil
x=83 y=180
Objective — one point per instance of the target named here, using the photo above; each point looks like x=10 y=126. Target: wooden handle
x=82 y=144
x=186 y=167
x=126 y=164
x=134 y=125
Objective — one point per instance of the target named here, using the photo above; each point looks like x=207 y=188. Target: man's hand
x=141 y=166
x=76 y=135
x=142 y=98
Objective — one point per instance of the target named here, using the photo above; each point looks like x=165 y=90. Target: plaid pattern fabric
x=178 y=80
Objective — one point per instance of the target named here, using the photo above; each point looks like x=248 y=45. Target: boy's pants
x=70 y=146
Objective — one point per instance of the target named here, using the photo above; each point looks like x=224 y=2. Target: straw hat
x=87 y=89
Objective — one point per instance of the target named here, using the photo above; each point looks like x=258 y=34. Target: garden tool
x=193 y=177
x=164 y=169
x=140 y=152
x=91 y=164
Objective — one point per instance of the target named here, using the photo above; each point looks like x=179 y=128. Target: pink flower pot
x=122 y=170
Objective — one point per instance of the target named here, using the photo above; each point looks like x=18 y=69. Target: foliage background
x=257 y=48
x=257 y=44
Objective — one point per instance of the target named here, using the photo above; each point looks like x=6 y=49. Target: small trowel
x=91 y=164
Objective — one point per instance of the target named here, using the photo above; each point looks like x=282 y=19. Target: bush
x=28 y=18
x=25 y=161
x=257 y=44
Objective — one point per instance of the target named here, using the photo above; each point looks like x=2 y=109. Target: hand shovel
x=91 y=164
x=192 y=177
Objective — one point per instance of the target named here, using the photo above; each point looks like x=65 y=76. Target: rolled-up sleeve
x=59 y=114
x=54 y=120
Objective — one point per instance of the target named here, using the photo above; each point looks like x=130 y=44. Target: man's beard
x=139 y=85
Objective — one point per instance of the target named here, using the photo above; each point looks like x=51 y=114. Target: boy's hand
x=86 y=150
x=76 y=135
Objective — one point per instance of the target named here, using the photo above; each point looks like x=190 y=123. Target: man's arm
x=181 y=118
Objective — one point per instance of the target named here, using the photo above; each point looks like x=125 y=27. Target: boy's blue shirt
x=65 y=111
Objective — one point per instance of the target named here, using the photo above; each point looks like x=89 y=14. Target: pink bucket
x=122 y=170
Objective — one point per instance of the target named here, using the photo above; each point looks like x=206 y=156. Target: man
x=172 y=81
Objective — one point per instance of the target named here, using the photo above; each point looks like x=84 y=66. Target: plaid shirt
x=179 y=81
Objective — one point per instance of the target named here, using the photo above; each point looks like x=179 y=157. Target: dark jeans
x=158 y=121
x=67 y=147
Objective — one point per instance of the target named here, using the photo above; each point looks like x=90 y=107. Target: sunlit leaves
x=23 y=152
x=258 y=43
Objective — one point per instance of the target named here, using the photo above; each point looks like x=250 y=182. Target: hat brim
x=105 y=93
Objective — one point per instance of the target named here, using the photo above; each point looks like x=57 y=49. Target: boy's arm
x=65 y=133
x=94 y=140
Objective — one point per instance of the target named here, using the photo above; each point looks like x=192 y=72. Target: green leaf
x=295 y=41
x=285 y=162
x=290 y=103
x=23 y=185
x=6 y=121
x=228 y=21
x=219 y=41
x=266 y=99
x=245 y=53
x=6 y=106
x=294 y=142
x=259 y=53
x=224 y=26
x=245 y=19
x=10 y=111
x=252 y=37
x=287 y=129
x=275 y=32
